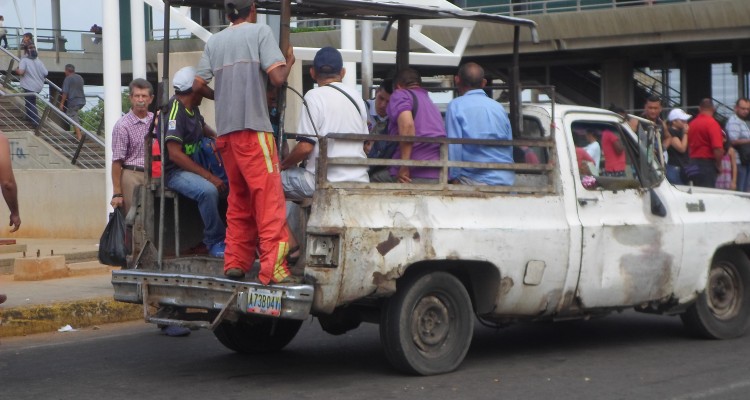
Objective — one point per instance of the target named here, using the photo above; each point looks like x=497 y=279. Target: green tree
x=92 y=118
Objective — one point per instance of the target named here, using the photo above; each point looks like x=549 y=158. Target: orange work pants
x=257 y=212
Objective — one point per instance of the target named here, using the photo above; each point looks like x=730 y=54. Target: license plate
x=264 y=301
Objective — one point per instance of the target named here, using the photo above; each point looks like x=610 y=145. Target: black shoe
x=234 y=273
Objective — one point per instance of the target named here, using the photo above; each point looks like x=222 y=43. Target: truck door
x=630 y=254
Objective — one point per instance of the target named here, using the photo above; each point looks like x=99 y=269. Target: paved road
x=627 y=356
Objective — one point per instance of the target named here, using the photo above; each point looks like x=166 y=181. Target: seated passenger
x=377 y=123
x=333 y=108
x=474 y=115
x=412 y=113
x=614 y=154
x=585 y=166
x=185 y=130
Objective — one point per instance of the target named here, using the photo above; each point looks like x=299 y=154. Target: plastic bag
x=112 y=248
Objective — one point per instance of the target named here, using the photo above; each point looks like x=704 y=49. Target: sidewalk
x=47 y=305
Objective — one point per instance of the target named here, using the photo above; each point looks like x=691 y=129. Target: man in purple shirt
x=412 y=113
x=127 y=145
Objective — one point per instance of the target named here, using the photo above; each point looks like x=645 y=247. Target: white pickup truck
x=424 y=260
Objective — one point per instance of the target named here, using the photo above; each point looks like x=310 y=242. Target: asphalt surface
x=625 y=356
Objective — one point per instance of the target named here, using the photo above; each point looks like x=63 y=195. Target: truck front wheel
x=257 y=335
x=427 y=326
x=722 y=311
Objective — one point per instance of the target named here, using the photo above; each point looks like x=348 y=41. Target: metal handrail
x=44 y=117
x=57 y=112
x=721 y=108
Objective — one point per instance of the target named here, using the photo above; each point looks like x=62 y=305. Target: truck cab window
x=532 y=129
x=604 y=155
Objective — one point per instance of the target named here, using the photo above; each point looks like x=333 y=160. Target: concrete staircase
x=64 y=143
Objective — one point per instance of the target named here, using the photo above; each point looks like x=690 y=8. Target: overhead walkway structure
x=597 y=52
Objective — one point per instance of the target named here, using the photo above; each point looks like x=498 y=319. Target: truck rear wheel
x=722 y=311
x=427 y=326
x=257 y=335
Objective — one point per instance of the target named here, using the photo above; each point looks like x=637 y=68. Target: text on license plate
x=264 y=301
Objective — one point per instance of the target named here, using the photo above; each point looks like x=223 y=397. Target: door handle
x=585 y=200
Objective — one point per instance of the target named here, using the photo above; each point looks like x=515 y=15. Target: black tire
x=426 y=327
x=722 y=311
x=257 y=335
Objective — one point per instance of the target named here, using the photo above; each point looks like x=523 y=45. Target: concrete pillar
x=112 y=89
x=138 y=35
x=697 y=81
x=617 y=83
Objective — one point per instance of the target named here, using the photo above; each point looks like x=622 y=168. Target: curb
x=22 y=321
x=6 y=264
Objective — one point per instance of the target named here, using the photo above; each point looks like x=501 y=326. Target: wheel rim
x=725 y=292
x=431 y=325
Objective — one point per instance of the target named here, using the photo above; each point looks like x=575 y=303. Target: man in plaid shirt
x=127 y=145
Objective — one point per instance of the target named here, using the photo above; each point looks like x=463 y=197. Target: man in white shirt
x=333 y=108
x=593 y=149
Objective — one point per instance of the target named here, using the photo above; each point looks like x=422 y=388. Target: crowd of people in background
x=697 y=150
x=701 y=152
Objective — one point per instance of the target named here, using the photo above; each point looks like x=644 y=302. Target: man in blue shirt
x=474 y=115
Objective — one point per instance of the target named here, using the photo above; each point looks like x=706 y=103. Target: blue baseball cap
x=328 y=61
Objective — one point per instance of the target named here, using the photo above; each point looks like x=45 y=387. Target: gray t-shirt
x=73 y=87
x=240 y=57
x=33 y=75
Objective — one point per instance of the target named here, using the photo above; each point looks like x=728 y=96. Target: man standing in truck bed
x=242 y=57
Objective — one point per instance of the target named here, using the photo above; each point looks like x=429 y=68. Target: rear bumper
x=204 y=292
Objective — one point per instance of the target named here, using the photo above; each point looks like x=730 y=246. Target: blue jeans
x=205 y=193
x=743 y=178
x=295 y=184
x=673 y=175
x=32 y=114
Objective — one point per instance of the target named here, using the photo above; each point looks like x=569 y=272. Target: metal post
x=515 y=86
x=56 y=25
x=349 y=42
x=285 y=15
x=365 y=28
x=214 y=20
x=402 y=44
x=164 y=98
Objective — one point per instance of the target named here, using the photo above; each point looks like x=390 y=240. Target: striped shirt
x=128 y=136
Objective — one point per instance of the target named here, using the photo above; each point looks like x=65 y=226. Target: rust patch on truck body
x=385 y=246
